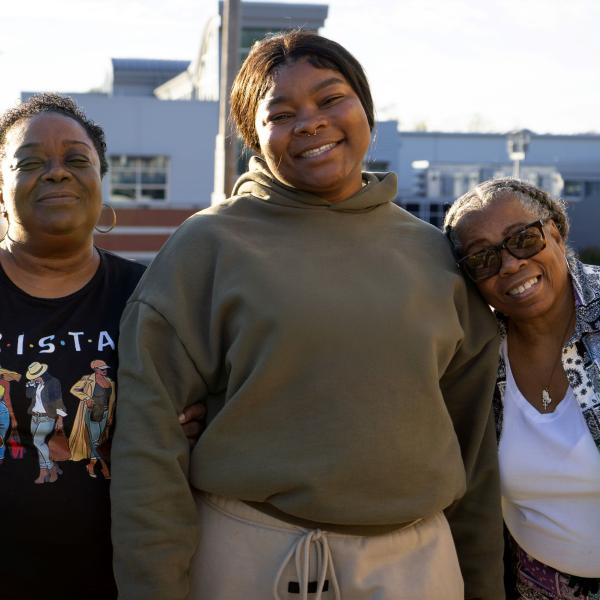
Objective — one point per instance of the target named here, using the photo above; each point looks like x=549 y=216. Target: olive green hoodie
x=346 y=366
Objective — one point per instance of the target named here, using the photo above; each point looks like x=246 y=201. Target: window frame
x=139 y=169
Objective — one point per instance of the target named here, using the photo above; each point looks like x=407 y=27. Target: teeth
x=317 y=151
x=523 y=287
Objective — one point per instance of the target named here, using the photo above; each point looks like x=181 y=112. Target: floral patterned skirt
x=534 y=580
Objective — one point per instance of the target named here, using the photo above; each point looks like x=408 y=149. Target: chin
x=68 y=227
x=525 y=312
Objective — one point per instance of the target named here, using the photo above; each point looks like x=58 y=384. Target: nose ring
x=302 y=131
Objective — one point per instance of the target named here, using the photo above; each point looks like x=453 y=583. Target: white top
x=550 y=476
x=39 y=405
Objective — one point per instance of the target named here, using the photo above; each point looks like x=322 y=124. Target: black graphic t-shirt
x=58 y=367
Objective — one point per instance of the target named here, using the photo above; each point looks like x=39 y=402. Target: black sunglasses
x=525 y=243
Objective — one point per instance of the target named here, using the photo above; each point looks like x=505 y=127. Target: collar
x=378 y=188
x=586 y=283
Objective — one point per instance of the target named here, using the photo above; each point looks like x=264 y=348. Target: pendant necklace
x=546 y=399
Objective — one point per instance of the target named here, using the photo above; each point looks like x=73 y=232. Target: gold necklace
x=546 y=399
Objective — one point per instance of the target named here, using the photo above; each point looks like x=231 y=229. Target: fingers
x=192 y=431
x=194 y=412
x=192 y=421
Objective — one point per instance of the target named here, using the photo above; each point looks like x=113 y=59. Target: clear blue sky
x=451 y=64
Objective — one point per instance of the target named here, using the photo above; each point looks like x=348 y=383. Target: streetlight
x=517 y=143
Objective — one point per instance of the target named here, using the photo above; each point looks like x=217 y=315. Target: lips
x=317 y=150
x=523 y=287
x=58 y=197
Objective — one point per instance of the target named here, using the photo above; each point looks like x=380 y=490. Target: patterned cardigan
x=581 y=353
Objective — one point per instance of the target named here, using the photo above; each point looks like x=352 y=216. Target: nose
x=510 y=264
x=56 y=171
x=309 y=123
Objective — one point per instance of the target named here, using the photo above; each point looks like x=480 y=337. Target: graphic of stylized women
x=47 y=411
x=94 y=416
x=7 y=416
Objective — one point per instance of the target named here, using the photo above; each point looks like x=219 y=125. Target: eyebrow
x=65 y=143
x=323 y=84
x=508 y=229
x=505 y=232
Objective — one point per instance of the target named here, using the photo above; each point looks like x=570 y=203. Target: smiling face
x=51 y=182
x=523 y=289
x=313 y=131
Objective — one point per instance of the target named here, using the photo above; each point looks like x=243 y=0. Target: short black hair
x=55 y=103
x=255 y=76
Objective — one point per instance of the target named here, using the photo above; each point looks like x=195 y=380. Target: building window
x=447 y=185
x=139 y=178
x=413 y=208
x=592 y=188
x=421 y=183
x=437 y=212
x=573 y=189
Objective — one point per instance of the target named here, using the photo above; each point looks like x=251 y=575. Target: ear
x=556 y=235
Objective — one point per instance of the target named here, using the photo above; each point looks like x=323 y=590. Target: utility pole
x=225 y=144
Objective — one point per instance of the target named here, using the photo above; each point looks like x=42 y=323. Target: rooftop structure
x=140 y=76
x=200 y=81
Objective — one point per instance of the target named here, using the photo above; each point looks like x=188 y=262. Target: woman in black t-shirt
x=61 y=300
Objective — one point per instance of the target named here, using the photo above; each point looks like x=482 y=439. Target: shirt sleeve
x=476 y=519
x=154 y=516
x=77 y=389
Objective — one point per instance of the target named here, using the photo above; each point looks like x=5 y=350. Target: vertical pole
x=225 y=144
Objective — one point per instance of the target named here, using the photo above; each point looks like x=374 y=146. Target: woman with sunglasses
x=511 y=238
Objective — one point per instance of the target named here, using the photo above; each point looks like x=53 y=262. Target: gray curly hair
x=533 y=199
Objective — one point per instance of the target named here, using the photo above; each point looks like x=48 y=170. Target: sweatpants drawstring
x=301 y=550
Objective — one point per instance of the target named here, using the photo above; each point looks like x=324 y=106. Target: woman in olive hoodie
x=346 y=366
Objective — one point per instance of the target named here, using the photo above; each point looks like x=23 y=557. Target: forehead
x=299 y=78
x=494 y=221
x=44 y=129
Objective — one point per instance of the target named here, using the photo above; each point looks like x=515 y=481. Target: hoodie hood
x=379 y=188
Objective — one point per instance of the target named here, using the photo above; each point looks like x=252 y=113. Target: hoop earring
x=4 y=215
x=112 y=225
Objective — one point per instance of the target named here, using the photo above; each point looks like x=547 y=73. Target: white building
x=435 y=168
x=161 y=119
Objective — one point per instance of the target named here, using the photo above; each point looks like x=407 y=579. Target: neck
x=49 y=269
x=336 y=197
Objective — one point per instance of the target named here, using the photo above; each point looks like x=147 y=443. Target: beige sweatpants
x=244 y=554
